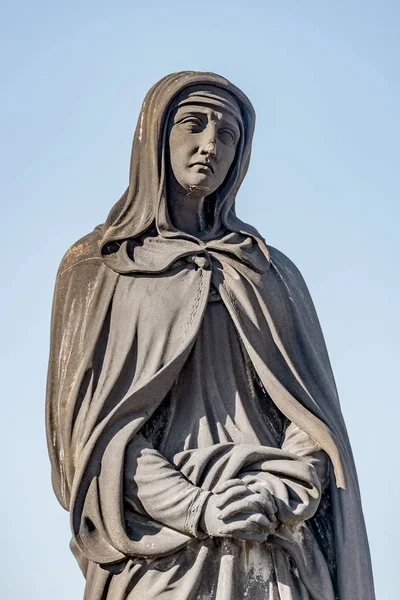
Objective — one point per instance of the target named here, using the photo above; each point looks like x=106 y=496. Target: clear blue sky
x=323 y=187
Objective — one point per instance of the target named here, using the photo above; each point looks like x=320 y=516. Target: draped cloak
x=129 y=301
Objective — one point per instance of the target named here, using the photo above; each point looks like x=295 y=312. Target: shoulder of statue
x=283 y=263
x=84 y=251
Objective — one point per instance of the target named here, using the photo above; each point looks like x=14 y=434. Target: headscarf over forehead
x=209 y=96
x=144 y=203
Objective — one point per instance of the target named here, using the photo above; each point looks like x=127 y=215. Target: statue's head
x=194 y=131
x=204 y=130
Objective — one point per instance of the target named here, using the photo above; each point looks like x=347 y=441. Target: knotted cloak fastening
x=129 y=301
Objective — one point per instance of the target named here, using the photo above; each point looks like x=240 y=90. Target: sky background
x=323 y=187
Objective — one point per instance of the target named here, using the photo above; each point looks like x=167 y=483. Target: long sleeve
x=154 y=487
x=297 y=442
x=302 y=497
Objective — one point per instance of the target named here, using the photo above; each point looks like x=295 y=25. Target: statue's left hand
x=238 y=501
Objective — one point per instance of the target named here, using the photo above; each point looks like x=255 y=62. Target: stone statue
x=193 y=423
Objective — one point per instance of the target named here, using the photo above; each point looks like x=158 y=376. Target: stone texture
x=193 y=423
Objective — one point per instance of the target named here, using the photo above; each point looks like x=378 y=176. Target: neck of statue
x=187 y=211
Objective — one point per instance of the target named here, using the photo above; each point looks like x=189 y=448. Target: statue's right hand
x=210 y=522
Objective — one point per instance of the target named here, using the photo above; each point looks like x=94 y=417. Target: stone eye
x=227 y=136
x=192 y=123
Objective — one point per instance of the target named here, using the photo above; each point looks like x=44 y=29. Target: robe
x=120 y=344
x=216 y=411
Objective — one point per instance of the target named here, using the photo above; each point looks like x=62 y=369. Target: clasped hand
x=245 y=512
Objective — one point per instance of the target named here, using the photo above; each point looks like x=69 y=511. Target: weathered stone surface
x=193 y=425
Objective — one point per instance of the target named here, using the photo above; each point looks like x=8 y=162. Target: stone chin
x=199 y=181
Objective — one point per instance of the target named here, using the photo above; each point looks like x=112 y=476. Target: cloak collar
x=155 y=253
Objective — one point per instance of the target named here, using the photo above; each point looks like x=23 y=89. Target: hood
x=143 y=206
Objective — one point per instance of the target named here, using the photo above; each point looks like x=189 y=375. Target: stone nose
x=210 y=149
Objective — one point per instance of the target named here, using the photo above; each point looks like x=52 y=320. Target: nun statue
x=193 y=424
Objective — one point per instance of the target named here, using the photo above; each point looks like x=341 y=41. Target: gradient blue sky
x=323 y=187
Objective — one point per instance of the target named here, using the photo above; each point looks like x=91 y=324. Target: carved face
x=202 y=146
